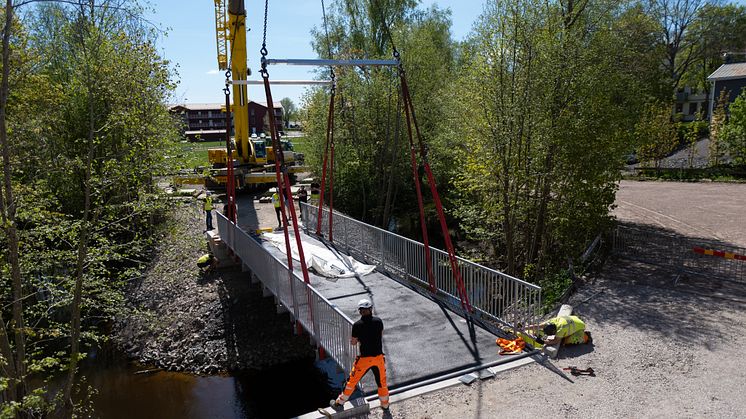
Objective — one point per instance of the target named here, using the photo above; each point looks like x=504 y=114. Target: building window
x=679 y=108
x=251 y=112
x=693 y=108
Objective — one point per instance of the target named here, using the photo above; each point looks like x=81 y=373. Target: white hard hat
x=364 y=303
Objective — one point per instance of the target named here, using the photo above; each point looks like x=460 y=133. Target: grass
x=300 y=144
x=193 y=154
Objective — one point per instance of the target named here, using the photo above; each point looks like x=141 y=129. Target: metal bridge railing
x=680 y=253
x=496 y=297
x=329 y=327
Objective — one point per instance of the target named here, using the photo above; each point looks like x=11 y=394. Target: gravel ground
x=658 y=351
x=701 y=209
x=181 y=319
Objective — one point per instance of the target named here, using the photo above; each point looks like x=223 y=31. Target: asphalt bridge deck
x=422 y=339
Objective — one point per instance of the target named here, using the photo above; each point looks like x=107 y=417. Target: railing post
x=347 y=239
x=383 y=254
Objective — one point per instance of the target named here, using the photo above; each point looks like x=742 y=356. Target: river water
x=285 y=391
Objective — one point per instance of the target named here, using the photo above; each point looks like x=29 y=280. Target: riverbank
x=180 y=319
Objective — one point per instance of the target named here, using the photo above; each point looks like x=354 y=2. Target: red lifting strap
x=409 y=111
x=230 y=182
x=425 y=240
x=283 y=185
x=329 y=144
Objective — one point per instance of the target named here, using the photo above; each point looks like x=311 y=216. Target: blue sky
x=190 y=42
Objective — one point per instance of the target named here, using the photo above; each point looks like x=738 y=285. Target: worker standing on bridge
x=368 y=331
x=302 y=197
x=278 y=208
x=208 y=211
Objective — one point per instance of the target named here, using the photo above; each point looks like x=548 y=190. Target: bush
x=695 y=130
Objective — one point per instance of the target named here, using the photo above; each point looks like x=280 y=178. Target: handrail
x=499 y=298
x=329 y=327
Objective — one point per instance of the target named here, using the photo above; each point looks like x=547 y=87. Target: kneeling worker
x=569 y=330
x=207 y=261
x=368 y=331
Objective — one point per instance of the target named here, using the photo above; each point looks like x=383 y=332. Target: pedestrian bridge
x=426 y=333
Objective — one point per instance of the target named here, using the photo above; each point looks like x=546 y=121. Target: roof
x=729 y=71
x=213 y=106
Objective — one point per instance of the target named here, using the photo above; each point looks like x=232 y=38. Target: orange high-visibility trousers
x=359 y=368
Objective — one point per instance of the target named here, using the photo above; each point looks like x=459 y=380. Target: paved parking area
x=699 y=209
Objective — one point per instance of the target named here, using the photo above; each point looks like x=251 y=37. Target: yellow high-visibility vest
x=208 y=204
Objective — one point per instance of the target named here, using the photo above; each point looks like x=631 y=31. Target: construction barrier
x=718 y=253
x=497 y=298
x=682 y=254
x=328 y=326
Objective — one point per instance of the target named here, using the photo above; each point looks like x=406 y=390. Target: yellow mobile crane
x=252 y=167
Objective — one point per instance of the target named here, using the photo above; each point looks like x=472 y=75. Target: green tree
x=656 y=134
x=289 y=111
x=550 y=100
x=717 y=29
x=717 y=128
x=682 y=47
x=734 y=132
x=84 y=129
x=372 y=174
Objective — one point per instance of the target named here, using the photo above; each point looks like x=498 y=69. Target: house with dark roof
x=730 y=78
x=206 y=121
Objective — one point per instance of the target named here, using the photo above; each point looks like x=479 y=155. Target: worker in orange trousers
x=368 y=331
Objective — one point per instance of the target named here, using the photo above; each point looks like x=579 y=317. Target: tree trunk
x=8 y=209
x=84 y=234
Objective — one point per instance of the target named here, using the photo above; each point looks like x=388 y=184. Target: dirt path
x=659 y=350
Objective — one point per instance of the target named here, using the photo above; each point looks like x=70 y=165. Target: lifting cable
x=412 y=121
x=281 y=171
x=329 y=145
x=230 y=182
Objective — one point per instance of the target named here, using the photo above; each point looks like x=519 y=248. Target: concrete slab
x=422 y=339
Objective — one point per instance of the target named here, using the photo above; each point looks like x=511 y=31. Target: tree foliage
x=541 y=153
x=734 y=132
x=88 y=125
x=372 y=175
x=289 y=111
x=656 y=133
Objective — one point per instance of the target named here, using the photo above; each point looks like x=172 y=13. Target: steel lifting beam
x=341 y=63
x=286 y=82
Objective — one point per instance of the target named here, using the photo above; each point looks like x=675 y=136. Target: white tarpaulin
x=323 y=260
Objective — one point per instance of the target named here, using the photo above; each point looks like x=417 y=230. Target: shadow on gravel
x=573 y=351
x=658 y=285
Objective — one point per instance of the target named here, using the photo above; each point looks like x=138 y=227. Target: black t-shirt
x=369 y=330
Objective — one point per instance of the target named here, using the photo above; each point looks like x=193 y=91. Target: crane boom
x=221 y=34
x=230 y=31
